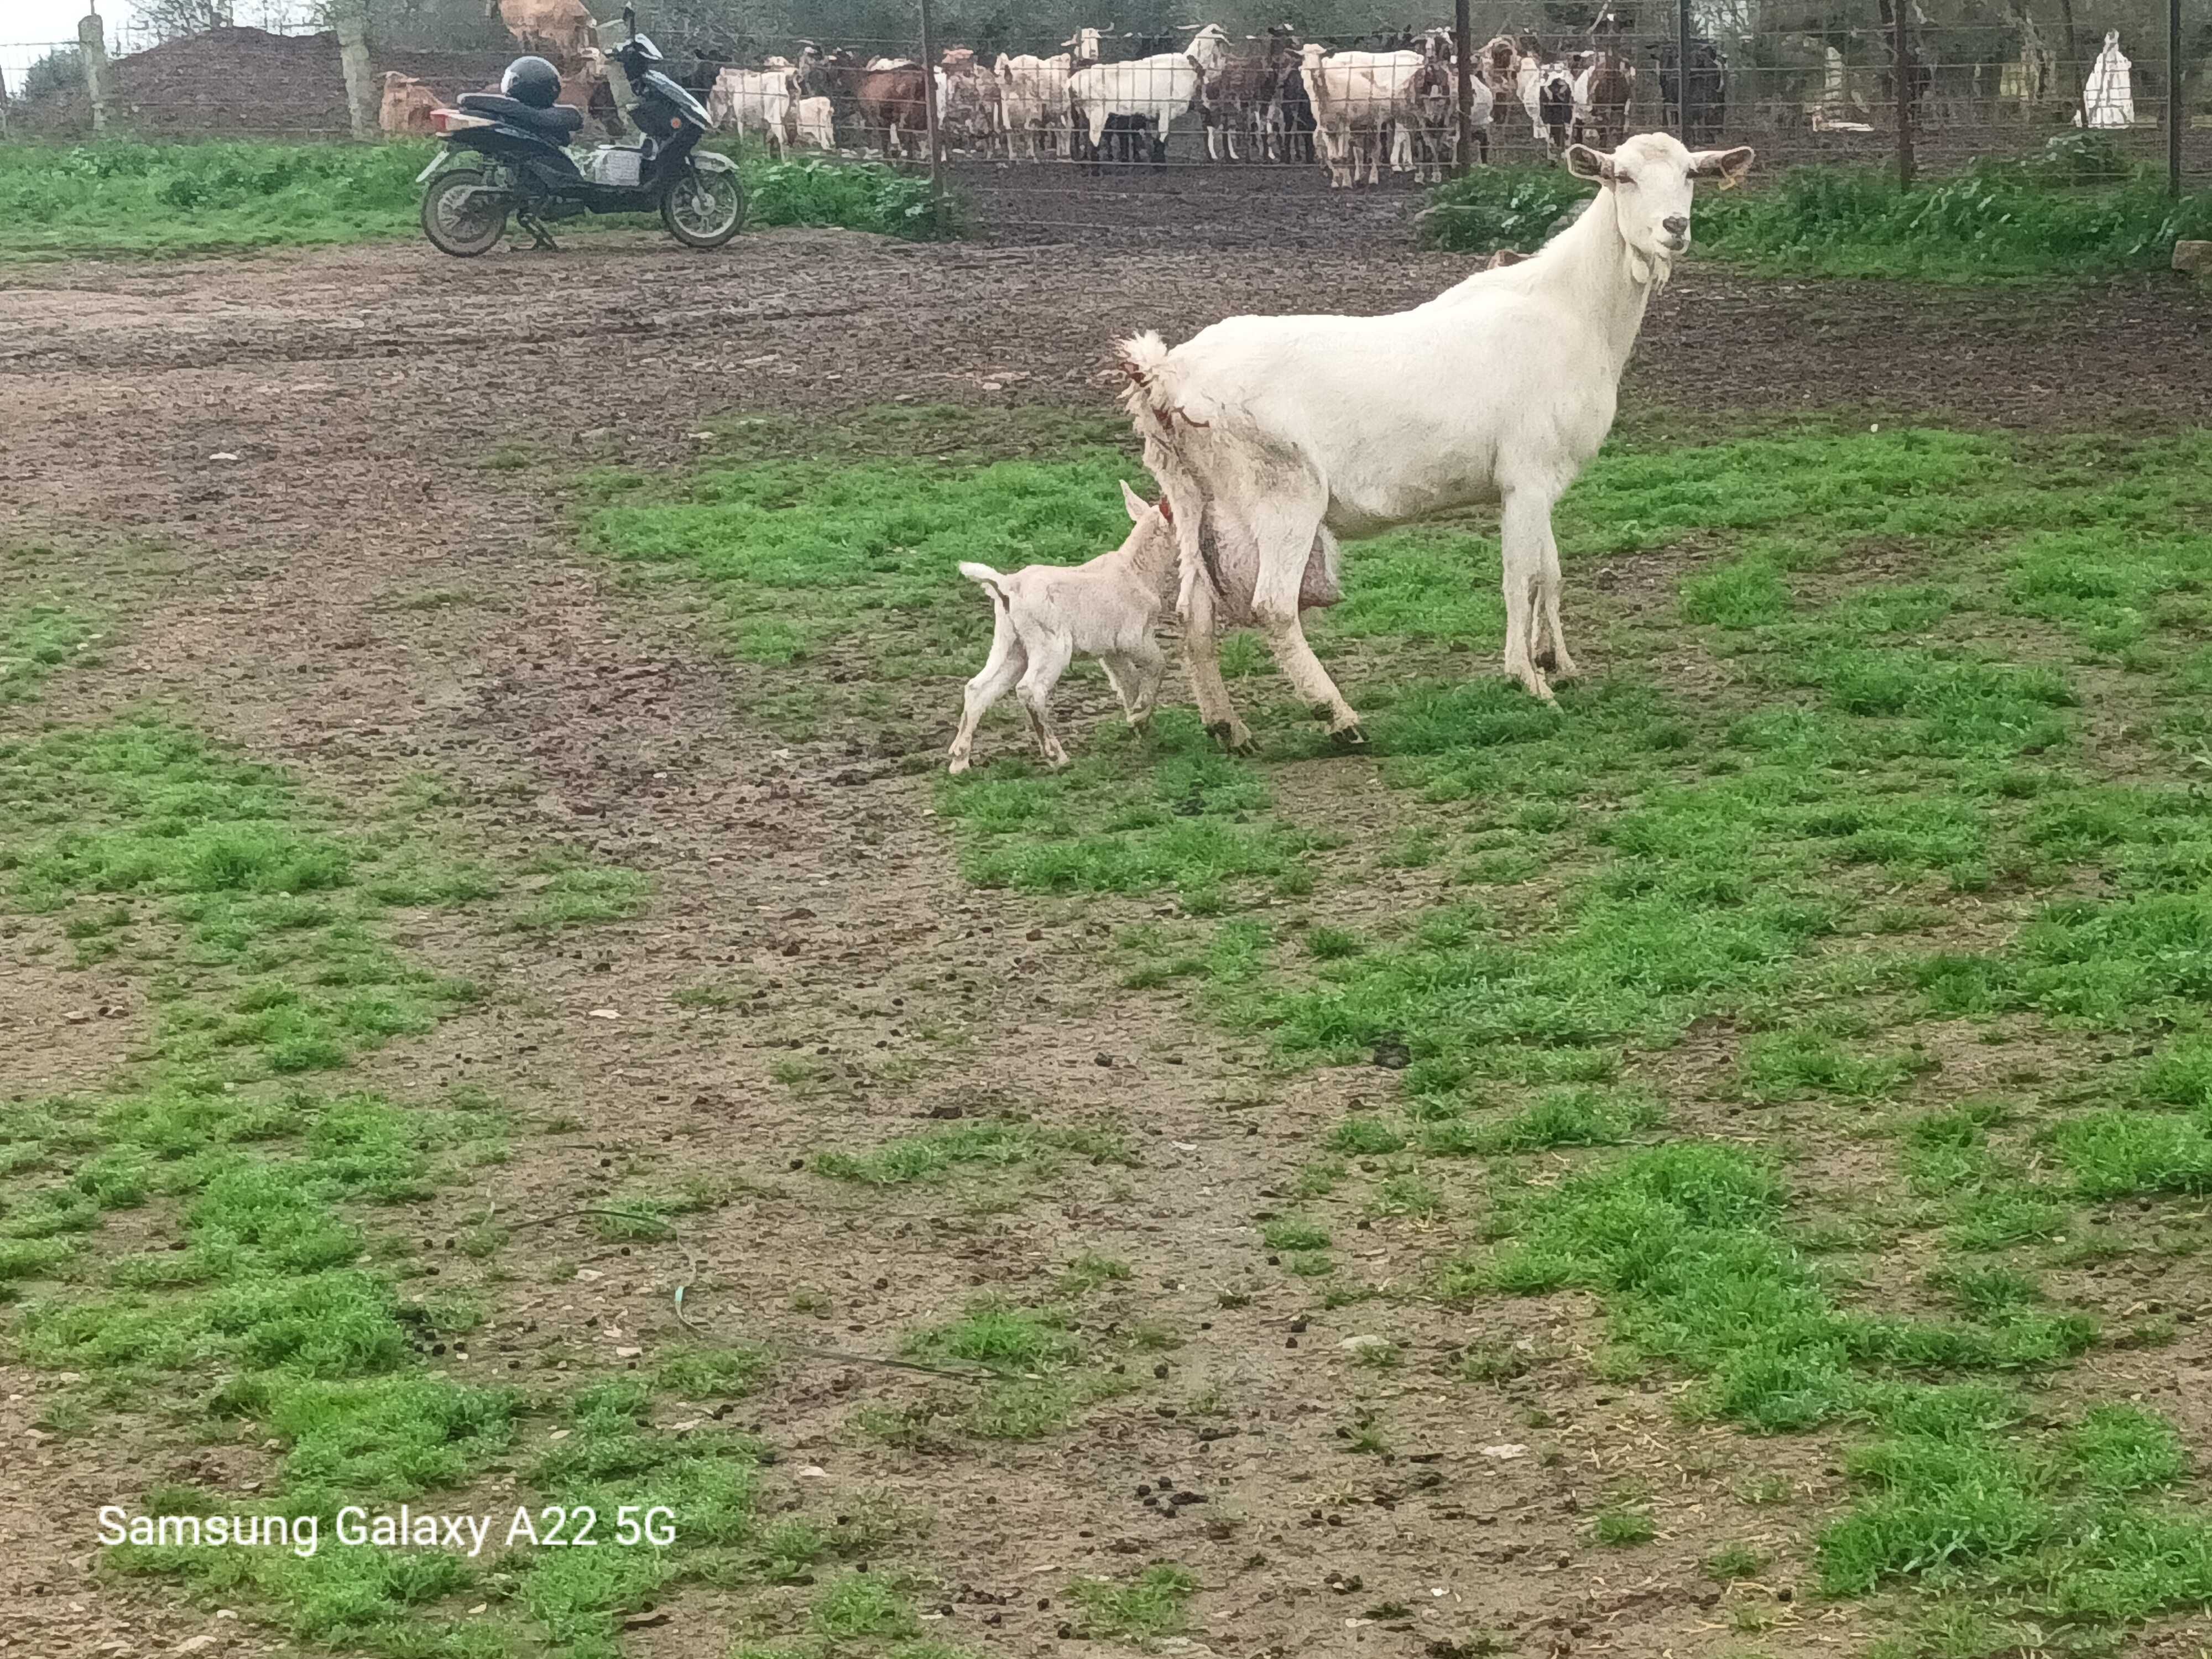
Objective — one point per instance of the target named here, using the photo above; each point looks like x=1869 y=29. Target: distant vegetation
x=2074 y=212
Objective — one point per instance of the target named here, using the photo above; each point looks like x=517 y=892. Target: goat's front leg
x=1550 y=651
x=1201 y=656
x=1527 y=526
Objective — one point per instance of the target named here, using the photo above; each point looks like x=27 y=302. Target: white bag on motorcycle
x=615 y=164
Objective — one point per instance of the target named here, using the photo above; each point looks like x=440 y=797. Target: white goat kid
x=1045 y=613
x=1267 y=432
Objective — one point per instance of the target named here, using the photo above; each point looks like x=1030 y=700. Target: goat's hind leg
x=1202 y=657
x=1048 y=660
x=1285 y=525
x=1000 y=672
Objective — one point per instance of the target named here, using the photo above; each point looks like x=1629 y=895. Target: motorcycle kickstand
x=539 y=239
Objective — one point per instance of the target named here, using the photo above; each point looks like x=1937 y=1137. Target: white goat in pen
x=1270 y=435
x=1042 y=615
x=1158 y=90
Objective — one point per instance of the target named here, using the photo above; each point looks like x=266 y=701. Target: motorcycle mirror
x=629 y=18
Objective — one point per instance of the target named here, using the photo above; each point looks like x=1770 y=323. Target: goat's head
x=1151 y=545
x=1651 y=179
x=1208 y=46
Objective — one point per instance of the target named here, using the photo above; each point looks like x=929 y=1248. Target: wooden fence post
x=92 y=48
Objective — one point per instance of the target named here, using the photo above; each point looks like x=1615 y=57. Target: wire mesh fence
x=1273 y=136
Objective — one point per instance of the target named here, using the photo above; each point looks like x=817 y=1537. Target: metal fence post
x=1901 y=15
x=1682 y=70
x=2176 y=106
x=349 y=18
x=929 y=120
x=1466 y=89
x=92 y=48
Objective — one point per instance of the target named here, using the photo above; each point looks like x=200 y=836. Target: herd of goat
x=1276 y=99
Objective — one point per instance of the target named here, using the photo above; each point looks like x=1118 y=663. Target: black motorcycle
x=507 y=153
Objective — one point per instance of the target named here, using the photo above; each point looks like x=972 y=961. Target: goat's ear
x=1592 y=164
x=1134 y=502
x=1728 y=165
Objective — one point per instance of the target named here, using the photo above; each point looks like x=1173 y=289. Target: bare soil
x=272 y=599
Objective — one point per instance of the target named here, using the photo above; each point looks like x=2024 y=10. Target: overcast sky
x=49 y=20
x=53 y=20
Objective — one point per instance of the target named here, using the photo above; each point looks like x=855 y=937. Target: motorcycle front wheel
x=461 y=215
x=702 y=210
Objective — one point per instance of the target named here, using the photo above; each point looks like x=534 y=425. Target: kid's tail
x=986 y=578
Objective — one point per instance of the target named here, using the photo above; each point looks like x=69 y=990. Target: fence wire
x=1277 y=138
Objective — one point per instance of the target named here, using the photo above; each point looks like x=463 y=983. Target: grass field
x=1821 y=988
x=124 y=197
x=1763 y=1106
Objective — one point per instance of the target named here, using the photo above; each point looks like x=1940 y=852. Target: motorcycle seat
x=558 y=124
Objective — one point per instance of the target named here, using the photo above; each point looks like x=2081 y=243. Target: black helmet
x=531 y=81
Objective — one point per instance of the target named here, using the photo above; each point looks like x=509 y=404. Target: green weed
x=1156 y=1603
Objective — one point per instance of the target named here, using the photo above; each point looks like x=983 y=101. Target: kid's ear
x=1136 y=505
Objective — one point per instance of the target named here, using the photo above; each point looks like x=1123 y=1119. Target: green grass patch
x=2081 y=207
x=851 y=195
x=994 y=1144
x=1156 y=1603
x=34 y=640
x=122 y=197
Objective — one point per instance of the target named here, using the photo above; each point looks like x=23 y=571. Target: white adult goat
x=1155 y=90
x=1270 y=435
x=1355 y=97
x=756 y=101
x=1036 y=92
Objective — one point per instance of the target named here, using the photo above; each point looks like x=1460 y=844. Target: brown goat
x=892 y=103
x=1601 y=110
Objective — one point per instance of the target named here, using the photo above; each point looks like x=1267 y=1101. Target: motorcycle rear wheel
x=702 y=210
x=463 y=225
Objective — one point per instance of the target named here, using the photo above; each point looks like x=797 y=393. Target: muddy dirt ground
x=266 y=599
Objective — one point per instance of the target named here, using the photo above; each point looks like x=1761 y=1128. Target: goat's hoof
x=1232 y=735
x=1348 y=736
x=958 y=764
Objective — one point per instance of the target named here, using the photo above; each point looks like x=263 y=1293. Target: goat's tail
x=988 y=579
x=1155 y=401
x=1149 y=397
